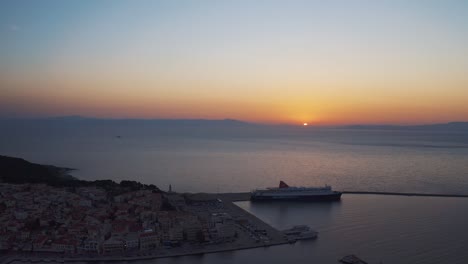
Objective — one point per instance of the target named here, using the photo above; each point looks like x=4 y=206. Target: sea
x=228 y=156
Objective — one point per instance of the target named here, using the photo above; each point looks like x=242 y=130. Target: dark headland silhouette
x=19 y=171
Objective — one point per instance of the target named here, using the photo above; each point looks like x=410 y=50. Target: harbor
x=252 y=232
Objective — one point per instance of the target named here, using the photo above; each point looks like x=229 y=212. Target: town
x=39 y=219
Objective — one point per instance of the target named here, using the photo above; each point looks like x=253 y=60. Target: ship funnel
x=283 y=185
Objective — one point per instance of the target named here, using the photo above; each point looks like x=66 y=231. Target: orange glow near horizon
x=337 y=106
x=279 y=66
x=326 y=111
x=268 y=101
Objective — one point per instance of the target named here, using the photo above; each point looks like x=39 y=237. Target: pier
x=245 y=196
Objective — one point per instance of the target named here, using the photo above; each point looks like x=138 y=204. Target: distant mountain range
x=136 y=120
x=231 y=123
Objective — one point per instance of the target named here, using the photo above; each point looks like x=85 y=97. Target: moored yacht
x=299 y=232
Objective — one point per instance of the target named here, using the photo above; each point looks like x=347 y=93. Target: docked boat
x=299 y=232
x=285 y=192
x=352 y=259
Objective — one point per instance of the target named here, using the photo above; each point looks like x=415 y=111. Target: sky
x=321 y=62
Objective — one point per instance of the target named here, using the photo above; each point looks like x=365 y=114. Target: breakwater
x=245 y=196
x=406 y=194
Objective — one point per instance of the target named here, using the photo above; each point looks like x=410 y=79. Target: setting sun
x=305 y=124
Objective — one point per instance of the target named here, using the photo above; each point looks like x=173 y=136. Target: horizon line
x=310 y=124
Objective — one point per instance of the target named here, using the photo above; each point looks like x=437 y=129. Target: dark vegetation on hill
x=20 y=171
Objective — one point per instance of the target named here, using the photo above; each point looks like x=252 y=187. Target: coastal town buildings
x=89 y=220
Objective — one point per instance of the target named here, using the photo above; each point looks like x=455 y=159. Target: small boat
x=299 y=232
x=352 y=259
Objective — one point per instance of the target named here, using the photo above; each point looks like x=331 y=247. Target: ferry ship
x=285 y=192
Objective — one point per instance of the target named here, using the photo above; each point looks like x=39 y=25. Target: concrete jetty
x=245 y=196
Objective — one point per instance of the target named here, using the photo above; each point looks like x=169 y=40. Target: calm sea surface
x=391 y=229
x=240 y=159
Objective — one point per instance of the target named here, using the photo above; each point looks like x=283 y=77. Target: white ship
x=285 y=192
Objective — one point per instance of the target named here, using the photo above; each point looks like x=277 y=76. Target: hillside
x=17 y=170
x=20 y=171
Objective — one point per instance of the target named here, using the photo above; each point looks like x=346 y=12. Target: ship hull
x=310 y=198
